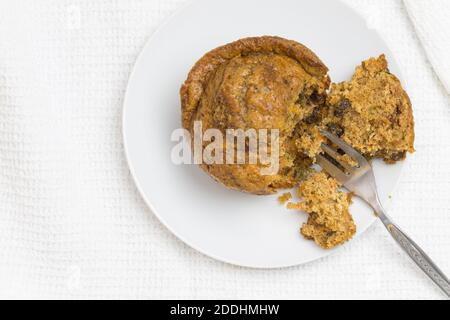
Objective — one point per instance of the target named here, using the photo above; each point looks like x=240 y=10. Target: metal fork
x=361 y=181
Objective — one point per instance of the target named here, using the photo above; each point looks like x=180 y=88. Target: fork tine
x=346 y=148
x=335 y=155
x=332 y=169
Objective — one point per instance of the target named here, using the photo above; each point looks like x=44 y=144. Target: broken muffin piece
x=372 y=112
x=330 y=223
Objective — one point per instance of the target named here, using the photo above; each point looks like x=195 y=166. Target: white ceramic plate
x=234 y=227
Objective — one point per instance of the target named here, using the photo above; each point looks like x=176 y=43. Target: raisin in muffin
x=258 y=83
x=372 y=112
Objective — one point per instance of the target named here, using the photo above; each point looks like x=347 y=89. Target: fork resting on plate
x=360 y=180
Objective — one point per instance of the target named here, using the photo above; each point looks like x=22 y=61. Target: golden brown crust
x=194 y=86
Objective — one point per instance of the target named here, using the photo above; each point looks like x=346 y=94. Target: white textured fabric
x=431 y=20
x=71 y=222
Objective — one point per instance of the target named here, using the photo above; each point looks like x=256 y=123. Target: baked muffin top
x=240 y=68
x=256 y=83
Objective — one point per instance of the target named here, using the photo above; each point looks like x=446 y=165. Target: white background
x=72 y=224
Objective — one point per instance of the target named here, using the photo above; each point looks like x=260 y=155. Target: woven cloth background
x=432 y=25
x=72 y=224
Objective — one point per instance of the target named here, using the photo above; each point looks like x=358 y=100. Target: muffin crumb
x=285 y=197
x=345 y=158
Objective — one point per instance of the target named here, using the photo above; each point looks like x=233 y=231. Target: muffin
x=273 y=83
x=258 y=83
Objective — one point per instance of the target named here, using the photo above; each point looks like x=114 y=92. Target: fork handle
x=419 y=256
